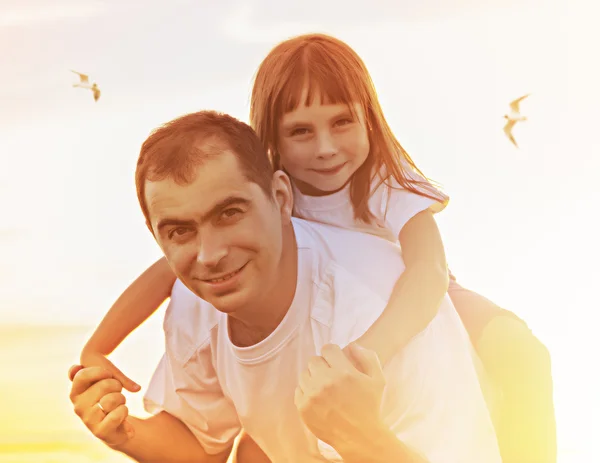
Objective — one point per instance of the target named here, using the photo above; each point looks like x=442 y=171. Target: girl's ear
x=283 y=194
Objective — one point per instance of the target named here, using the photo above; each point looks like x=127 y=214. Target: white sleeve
x=190 y=390
x=399 y=205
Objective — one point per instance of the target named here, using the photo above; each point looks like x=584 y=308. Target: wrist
x=90 y=352
x=384 y=350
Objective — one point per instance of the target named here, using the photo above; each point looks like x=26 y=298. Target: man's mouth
x=225 y=277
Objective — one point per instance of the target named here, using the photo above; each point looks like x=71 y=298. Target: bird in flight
x=84 y=82
x=513 y=118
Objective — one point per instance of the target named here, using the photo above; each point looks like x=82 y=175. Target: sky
x=521 y=227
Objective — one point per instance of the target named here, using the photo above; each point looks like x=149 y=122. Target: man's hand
x=338 y=401
x=97 y=400
x=90 y=358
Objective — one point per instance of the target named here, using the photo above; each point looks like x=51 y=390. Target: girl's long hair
x=332 y=71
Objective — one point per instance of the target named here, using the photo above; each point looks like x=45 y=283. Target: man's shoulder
x=353 y=274
x=325 y=237
x=188 y=321
x=351 y=249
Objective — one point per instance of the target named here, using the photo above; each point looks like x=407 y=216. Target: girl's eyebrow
x=345 y=112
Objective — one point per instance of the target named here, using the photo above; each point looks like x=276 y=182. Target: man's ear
x=283 y=194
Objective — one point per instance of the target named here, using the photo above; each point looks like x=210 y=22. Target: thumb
x=128 y=428
x=366 y=361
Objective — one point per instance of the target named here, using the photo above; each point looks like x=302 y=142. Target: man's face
x=221 y=234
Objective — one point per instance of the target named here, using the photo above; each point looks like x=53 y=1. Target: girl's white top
x=391 y=204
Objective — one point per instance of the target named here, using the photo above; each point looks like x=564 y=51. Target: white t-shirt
x=391 y=204
x=433 y=401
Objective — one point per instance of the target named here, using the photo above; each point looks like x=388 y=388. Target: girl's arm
x=140 y=300
x=418 y=293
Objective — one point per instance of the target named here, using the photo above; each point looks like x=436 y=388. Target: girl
x=316 y=111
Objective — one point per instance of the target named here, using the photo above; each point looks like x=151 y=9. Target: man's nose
x=212 y=249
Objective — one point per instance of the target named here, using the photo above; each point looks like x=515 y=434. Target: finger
x=86 y=377
x=74 y=370
x=108 y=429
x=305 y=382
x=367 y=361
x=97 y=391
x=317 y=366
x=299 y=398
x=111 y=401
x=127 y=383
x=336 y=358
x=92 y=416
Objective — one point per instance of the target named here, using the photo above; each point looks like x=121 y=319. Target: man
x=253 y=331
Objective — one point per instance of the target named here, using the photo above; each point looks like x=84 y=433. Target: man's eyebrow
x=168 y=222
x=225 y=203
x=216 y=209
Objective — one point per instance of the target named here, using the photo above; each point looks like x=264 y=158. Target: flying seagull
x=513 y=118
x=84 y=82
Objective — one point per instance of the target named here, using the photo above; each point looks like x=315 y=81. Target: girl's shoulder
x=394 y=205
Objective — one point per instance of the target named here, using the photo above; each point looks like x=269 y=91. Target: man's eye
x=231 y=212
x=178 y=232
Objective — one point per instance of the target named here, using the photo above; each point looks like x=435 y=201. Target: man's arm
x=163 y=438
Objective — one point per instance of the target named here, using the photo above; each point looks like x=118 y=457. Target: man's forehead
x=196 y=198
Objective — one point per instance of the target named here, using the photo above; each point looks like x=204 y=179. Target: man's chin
x=227 y=303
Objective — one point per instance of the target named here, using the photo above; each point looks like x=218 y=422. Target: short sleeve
x=399 y=205
x=189 y=390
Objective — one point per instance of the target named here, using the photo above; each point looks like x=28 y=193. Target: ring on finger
x=100 y=407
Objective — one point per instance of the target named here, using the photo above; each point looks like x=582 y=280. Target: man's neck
x=258 y=323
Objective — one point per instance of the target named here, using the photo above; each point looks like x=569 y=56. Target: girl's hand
x=95 y=359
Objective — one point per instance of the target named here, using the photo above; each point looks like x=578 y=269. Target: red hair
x=333 y=71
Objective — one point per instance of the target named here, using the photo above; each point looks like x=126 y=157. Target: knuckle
x=313 y=361
x=116 y=384
x=328 y=349
x=111 y=402
x=109 y=385
x=100 y=432
x=312 y=401
x=79 y=410
x=328 y=387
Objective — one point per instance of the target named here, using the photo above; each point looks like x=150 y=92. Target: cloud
x=40 y=13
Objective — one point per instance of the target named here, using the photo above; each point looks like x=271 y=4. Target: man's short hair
x=175 y=149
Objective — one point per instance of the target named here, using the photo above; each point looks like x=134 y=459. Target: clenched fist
x=97 y=399
x=338 y=401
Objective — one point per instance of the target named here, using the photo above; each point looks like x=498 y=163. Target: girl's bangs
x=323 y=85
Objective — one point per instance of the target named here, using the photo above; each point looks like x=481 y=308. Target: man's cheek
x=180 y=260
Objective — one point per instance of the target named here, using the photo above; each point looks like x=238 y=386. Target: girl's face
x=322 y=145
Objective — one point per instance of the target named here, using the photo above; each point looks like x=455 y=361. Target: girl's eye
x=344 y=121
x=299 y=132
